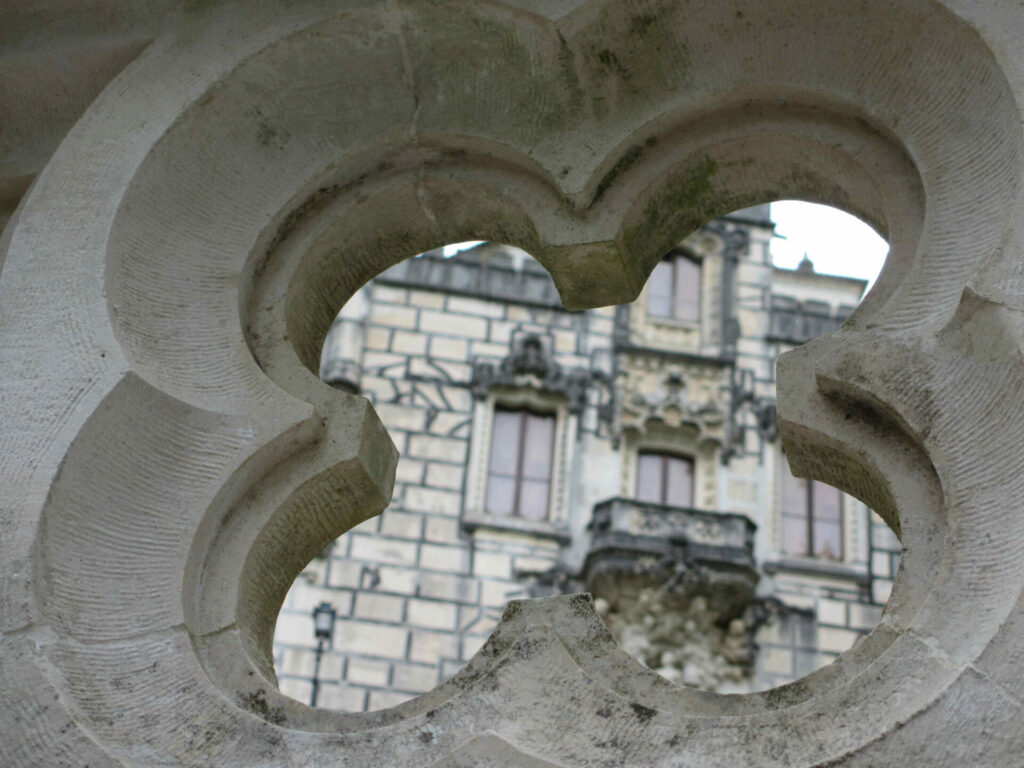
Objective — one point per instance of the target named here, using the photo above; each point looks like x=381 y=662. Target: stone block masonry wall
x=830 y=614
x=416 y=596
x=823 y=618
x=886 y=551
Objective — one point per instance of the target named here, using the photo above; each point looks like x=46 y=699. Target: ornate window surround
x=684 y=441
x=664 y=466
x=678 y=260
x=527 y=378
x=853 y=527
x=808 y=509
x=705 y=248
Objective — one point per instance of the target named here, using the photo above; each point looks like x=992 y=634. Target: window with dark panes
x=673 y=290
x=811 y=518
x=663 y=478
x=519 y=475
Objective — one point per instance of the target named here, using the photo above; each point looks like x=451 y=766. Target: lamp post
x=323 y=629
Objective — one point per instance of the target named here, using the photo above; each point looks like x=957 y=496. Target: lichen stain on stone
x=517 y=85
x=643 y=714
x=624 y=163
x=786 y=695
x=639 y=25
x=265 y=133
x=805 y=183
x=297 y=216
x=635 y=54
x=567 y=62
x=679 y=206
x=582 y=604
x=257 y=704
x=512 y=610
x=612 y=743
x=611 y=62
x=527 y=648
x=682 y=197
x=685 y=194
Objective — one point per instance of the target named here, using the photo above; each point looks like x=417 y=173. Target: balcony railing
x=679 y=525
x=693 y=550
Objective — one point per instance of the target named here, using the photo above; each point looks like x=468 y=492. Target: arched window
x=673 y=291
x=664 y=478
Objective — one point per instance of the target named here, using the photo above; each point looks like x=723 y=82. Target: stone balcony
x=687 y=552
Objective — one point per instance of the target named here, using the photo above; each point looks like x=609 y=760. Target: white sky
x=837 y=243
x=452 y=248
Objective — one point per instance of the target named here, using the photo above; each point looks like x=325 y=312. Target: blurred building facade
x=627 y=451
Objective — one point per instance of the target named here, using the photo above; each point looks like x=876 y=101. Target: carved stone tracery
x=181 y=258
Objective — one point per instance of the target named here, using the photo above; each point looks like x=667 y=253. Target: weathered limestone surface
x=170 y=460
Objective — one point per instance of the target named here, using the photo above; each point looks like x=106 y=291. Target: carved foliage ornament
x=680 y=639
x=158 y=498
x=647 y=396
x=531 y=363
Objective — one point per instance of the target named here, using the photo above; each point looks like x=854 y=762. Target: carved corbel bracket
x=660 y=397
x=531 y=363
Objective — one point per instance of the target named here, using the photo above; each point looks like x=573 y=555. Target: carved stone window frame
x=706 y=248
x=674 y=259
x=474 y=514
x=853 y=528
x=684 y=441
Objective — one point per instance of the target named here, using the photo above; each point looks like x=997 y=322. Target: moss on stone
x=628 y=159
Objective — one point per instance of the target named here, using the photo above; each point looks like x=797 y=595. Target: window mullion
x=676 y=309
x=663 y=491
x=810 y=517
x=519 y=465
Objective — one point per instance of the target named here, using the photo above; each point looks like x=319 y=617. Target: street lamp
x=323 y=629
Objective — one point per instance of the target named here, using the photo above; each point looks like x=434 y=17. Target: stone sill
x=537 y=528
x=812 y=567
x=673 y=323
x=709 y=358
